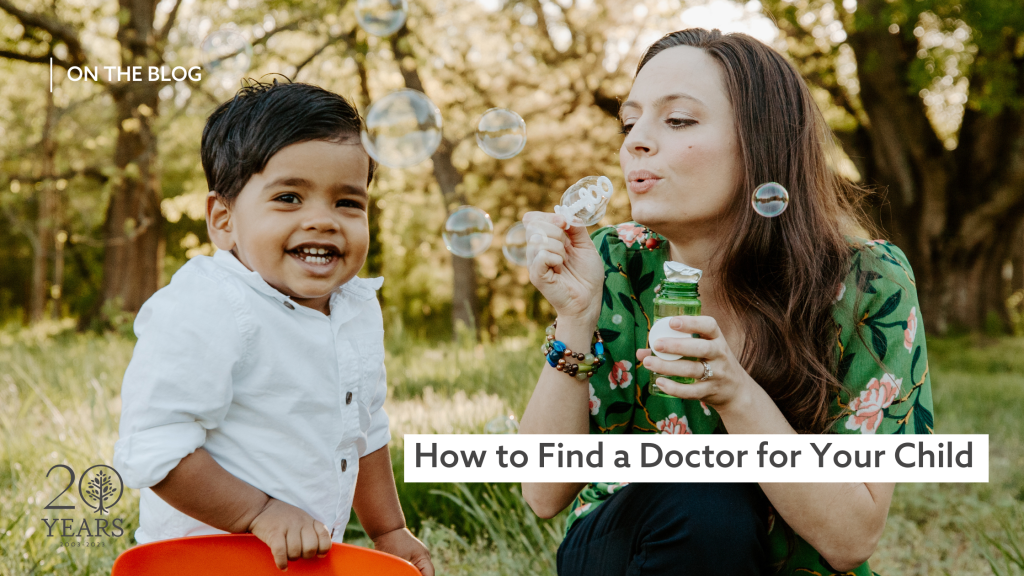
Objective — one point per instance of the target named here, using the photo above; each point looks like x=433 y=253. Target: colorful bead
x=556 y=353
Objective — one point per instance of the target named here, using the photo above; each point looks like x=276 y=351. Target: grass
x=59 y=404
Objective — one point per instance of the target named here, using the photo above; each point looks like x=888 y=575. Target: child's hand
x=403 y=544
x=290 y=533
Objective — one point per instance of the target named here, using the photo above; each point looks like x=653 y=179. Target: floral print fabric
x=877 y=326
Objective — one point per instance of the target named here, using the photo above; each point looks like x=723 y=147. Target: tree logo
x=99 y=490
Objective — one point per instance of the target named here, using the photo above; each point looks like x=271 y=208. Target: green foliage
x=501 y=515
x=1004 y=552
x=59 y=404
x=497 y=59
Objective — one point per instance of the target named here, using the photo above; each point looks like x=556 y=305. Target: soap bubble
x=381 y=17
x=402 y=129
x=468 y=232
x=226 y=56
x=501 y=133
x=770 y=200
x=514 y=247
x=585 y=202
x=502 y=425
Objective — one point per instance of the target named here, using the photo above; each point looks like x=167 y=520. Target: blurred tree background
x=102 y=192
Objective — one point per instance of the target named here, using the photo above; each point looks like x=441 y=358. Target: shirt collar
x=355 y=290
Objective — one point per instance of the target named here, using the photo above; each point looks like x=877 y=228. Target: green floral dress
x=880 y=285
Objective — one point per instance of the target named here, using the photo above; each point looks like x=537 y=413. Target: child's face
x=301 y=223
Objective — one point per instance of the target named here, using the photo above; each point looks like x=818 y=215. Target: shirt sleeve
x=883 y=360
x=379 y=433
x=178 y=384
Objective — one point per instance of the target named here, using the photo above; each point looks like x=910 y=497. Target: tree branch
x=53 y=25
x=290 y=26
x=35 y=59
x=166 y=28
x=90 y=171
x=349 y=39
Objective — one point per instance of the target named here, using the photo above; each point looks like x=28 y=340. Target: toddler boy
x=254 y=398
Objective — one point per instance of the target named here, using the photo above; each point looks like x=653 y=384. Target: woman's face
x=681 y=157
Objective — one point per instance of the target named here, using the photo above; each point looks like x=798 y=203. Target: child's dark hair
x=243 y=133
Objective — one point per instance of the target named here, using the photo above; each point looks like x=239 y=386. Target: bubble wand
x=586 y=201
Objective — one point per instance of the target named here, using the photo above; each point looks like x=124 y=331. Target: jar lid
x=662 y=329
x=679 y=272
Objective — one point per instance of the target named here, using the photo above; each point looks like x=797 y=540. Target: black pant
x=677 y=529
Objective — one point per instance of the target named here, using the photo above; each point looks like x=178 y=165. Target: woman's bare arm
x=568 y=271
x=559 y=405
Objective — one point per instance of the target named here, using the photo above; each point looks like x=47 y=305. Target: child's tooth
x=321 y=251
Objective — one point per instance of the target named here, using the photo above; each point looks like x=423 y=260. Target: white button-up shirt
x=283 y=397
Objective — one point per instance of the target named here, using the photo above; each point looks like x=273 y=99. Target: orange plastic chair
x=247 y=555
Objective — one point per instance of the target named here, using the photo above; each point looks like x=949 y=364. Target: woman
x=806 y=328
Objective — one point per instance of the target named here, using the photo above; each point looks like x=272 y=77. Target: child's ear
x=218 y=222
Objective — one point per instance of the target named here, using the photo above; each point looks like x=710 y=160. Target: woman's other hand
x=726 y=387
x=564 y=265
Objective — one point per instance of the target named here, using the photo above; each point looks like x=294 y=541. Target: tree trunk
x=375 y=253
x=953 y=213
x=134 y=225
x=58 y=270
x=1017 y=260
x=464 y=301
x=45 y=216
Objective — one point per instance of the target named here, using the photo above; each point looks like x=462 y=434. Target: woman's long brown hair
x=781 y=275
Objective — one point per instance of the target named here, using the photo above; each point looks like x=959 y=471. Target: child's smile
x=316 y=258
x=301 y=223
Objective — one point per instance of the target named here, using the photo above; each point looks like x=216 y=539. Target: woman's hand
x=564 y=265
x=729 y=382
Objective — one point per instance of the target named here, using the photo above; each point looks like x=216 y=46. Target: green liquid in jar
x=675 y=299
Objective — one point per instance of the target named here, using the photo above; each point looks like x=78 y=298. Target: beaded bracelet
x=556 y=352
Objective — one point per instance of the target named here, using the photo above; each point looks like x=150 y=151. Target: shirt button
x=348 y=398
x=288 y=305
x=344 y=465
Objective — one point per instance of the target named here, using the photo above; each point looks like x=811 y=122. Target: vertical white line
x=51 y=74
